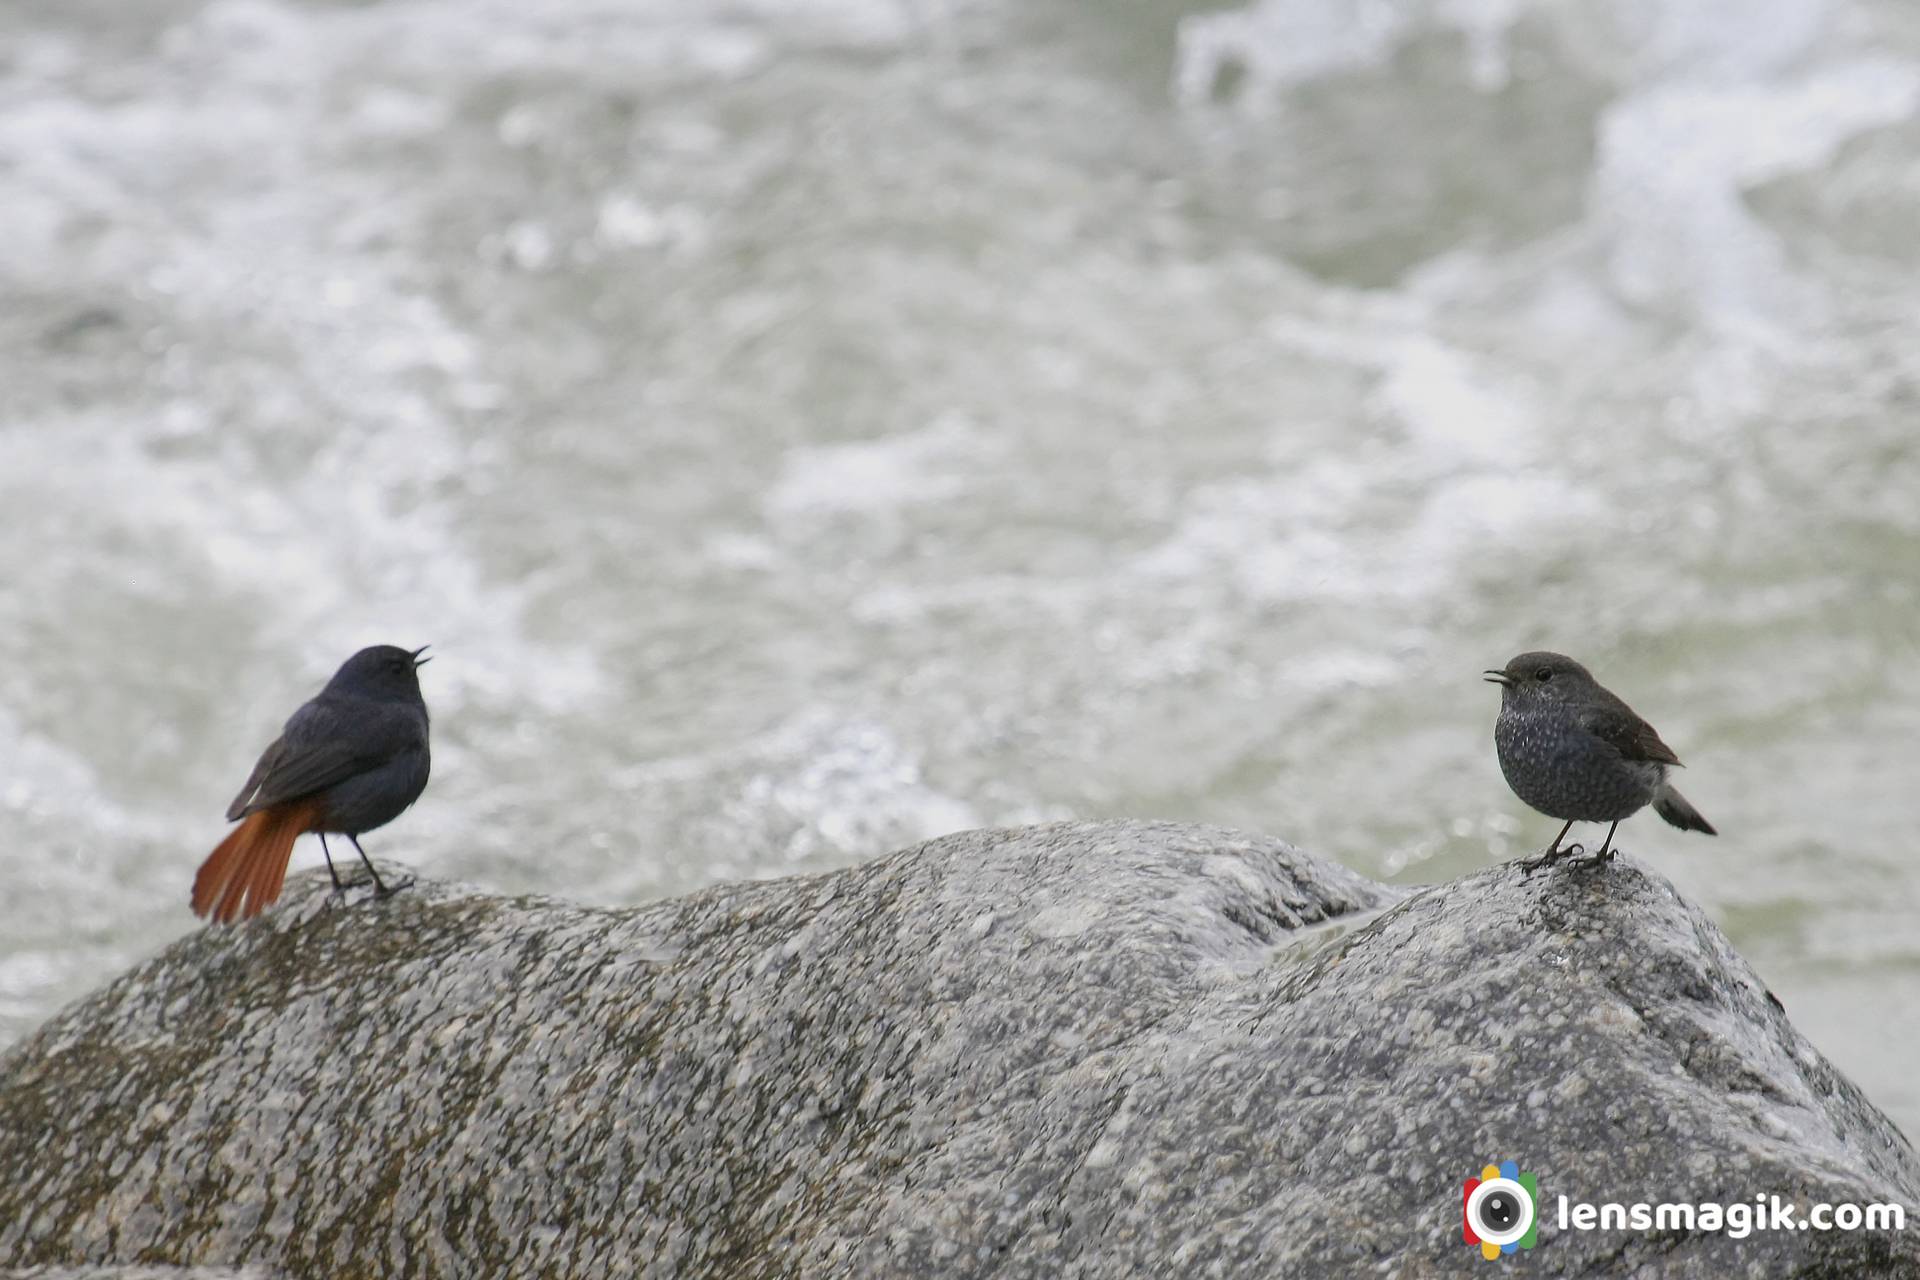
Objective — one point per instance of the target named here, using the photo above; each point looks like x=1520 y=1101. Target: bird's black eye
x=1544 y=673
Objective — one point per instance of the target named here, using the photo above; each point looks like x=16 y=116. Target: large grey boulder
x=1083 y=1050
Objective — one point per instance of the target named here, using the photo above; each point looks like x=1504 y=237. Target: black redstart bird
x=1573 y=750
x=348 y=761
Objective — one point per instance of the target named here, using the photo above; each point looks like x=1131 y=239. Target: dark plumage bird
x=350 y=760
x=1573 y=750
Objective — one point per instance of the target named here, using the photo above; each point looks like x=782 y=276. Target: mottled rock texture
x=109 y=1271
x=1082 y=1050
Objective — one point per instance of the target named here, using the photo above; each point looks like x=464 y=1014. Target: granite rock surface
x=1080 y=1050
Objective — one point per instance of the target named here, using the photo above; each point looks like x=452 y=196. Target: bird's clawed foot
x=381 y=889
x=1556 y=854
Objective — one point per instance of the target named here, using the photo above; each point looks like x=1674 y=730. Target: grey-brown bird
x=1573 y=750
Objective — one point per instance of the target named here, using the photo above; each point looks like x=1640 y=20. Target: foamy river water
x=802 y=428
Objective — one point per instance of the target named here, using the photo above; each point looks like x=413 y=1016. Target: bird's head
x=1534 y=679
x=384 y=672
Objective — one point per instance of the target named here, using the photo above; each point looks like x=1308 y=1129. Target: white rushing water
x=802 y=428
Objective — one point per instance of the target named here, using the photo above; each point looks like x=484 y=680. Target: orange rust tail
x=242 y=876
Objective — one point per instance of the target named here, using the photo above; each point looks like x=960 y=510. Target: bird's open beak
x=419 y=661
x=1498 y=677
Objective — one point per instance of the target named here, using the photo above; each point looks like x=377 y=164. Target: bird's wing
x=261 y=768
x=314 y=751
x=1627 y=733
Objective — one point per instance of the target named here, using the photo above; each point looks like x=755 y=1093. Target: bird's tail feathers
x=1673 y=806
x=242 y=876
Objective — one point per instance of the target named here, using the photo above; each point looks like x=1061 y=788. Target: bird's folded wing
x=312 y=753
x=1628 y=734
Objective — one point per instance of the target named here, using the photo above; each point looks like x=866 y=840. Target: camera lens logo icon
x=1498 y=1210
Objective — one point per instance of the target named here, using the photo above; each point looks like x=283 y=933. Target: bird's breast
x=1559 y=768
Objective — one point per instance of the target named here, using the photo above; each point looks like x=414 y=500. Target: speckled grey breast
x=1565 y=772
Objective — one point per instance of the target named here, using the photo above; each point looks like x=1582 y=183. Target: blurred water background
x=806 y=426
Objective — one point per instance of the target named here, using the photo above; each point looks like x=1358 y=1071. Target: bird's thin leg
x=328 y=855
x=1553 y=854
x=380 y=889
x=1606 y=846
